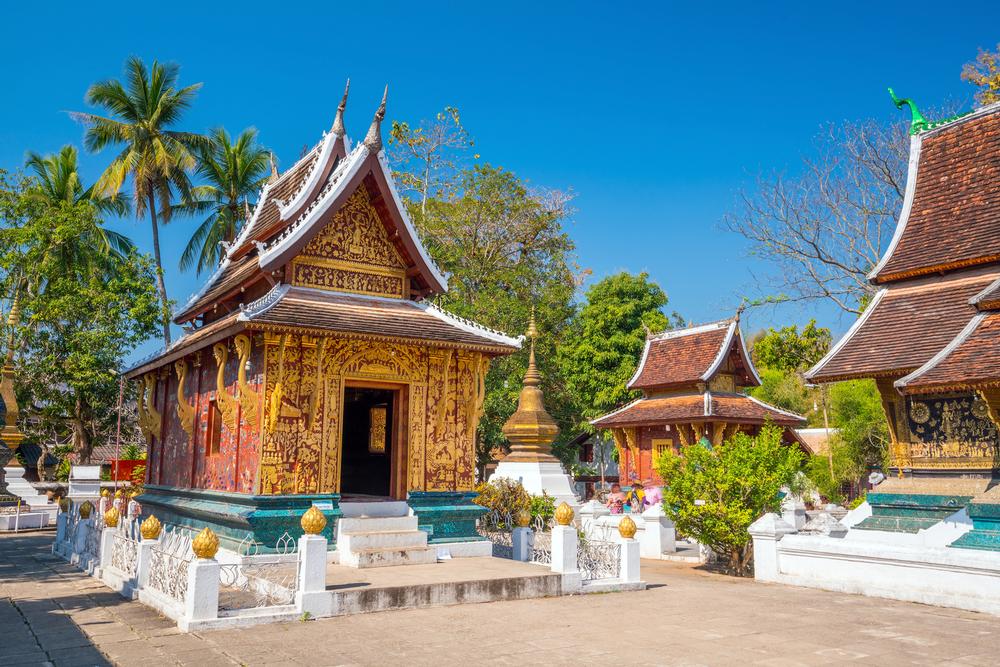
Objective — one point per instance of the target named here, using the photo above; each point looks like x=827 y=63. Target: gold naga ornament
x=564 y=514
x=313 y=522
x=531 y=429
x=85 y=509
x=185 y=410
x=150 y=528
x=226 y=403
x=248 y=397
x=278 y=393
x=627 y=527
x=206 y=544
x=111 y=517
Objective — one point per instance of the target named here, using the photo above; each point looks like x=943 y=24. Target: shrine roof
x=687 y=356
x=904 y=326
x=189 y=341
x=969 y=361
x=295 y=205
x=951 y=209
x=697 y=407
x=308 y=309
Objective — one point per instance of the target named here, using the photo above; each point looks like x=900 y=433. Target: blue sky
x=653 y=114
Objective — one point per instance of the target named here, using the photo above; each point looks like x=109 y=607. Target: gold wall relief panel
x=724 y=382
x=227 y=404
x=898 y=448
x=951 y=431
x=185 y=411
x=416 y=444
x=352 y=253
x=249 y=398
x=153 y=416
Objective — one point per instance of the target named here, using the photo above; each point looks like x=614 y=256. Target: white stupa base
x=537 y=477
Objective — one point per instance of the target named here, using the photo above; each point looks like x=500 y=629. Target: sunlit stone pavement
x=52 y=613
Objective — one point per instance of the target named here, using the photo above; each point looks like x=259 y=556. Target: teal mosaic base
x=909 y=512
x=446 y=516
x=233 y=515
x=985 y=533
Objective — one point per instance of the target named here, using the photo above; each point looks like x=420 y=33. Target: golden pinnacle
x=85 y=509
x=523 y=518
x=150 y=528
x=564 y=514
x=111 y=517
x=626 y=527
x=206 y=544
x=313 y=522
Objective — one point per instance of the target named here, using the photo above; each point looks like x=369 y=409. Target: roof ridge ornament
x=917 y=122
x=274 y=169
x=338 y=121
x=373 y=140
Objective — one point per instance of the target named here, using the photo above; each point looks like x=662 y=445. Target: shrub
x=713 y=495
x=543 y=507
x=503 y=496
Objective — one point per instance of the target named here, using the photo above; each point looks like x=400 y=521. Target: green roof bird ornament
x=917 y=122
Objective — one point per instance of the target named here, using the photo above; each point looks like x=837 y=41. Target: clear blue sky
x=654 y=115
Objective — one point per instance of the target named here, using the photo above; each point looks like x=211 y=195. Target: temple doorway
x=370 y=442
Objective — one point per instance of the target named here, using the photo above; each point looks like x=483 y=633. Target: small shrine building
x=313 y=370
x=692 y=383
x=930 y=338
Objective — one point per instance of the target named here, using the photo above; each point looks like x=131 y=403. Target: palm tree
x=57 y=181
x=233 y=173
x=158 y=159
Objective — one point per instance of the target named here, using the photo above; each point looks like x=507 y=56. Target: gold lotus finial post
x=564 y=514
x=627 y=527
x=206 y=544
x=85 y=509
x=313 y=522
x=531 y=429
x=111 y=517
x=150 y=528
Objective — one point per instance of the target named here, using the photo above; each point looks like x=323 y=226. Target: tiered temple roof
x=692 y=375
x=251 y=286
x=934 y=323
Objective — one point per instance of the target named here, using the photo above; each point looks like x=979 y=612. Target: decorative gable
x=352 y=253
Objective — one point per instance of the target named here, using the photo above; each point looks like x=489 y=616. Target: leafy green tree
x=606 y=339
x=714 y=495
x=506 y=251
x=984 y=73
x=233 y=172
x=788 y=349
x=158 y=159
x=75 y=333
x=787 y=390
x=58 y=178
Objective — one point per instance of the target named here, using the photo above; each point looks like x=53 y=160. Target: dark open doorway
x=369 y=424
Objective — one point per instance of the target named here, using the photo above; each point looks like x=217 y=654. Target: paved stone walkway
x=52 y=613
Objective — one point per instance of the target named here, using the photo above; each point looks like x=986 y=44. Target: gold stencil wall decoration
x=377 y=426
x=248 y=397
x=185 y=410
x=155 y=420
x=226 y=403
x=277 y=393
x=143 y=415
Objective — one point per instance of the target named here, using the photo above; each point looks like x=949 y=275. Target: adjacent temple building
x=930 y=338
x=313 y=370
x=692 y=381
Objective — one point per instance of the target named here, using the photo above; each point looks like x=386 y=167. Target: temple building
x=692 y=383
x=313 y=370
x=930 y=338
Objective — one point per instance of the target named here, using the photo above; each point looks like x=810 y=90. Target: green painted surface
x=909 y=512
x=232 y=516
x=985 y=533
x=446 y=516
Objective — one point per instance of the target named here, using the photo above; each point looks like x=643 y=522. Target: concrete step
x=374 y=525
x=360 y=509
x=383 y=539
x=391 y=557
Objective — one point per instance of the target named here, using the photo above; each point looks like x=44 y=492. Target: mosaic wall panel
x=950 y=431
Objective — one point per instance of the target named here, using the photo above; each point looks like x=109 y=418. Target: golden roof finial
x=338 y=121
x=374 y=138
x=274 y=170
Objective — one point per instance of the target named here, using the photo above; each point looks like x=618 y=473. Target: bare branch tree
x=826 y=228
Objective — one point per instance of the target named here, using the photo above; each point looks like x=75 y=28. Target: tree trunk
x=160 y=285
x=82 y=444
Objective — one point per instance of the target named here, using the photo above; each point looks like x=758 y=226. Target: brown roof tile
x=236 y=273
x=190 y=341
x=680 y=357
x=735 y=408
x=971 y=360
x=954 y=219
x=906 y=325
x=313 y=309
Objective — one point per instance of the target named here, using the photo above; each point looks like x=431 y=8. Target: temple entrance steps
x=381 y=534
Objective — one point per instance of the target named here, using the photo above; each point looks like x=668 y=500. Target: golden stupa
x=531 y=430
